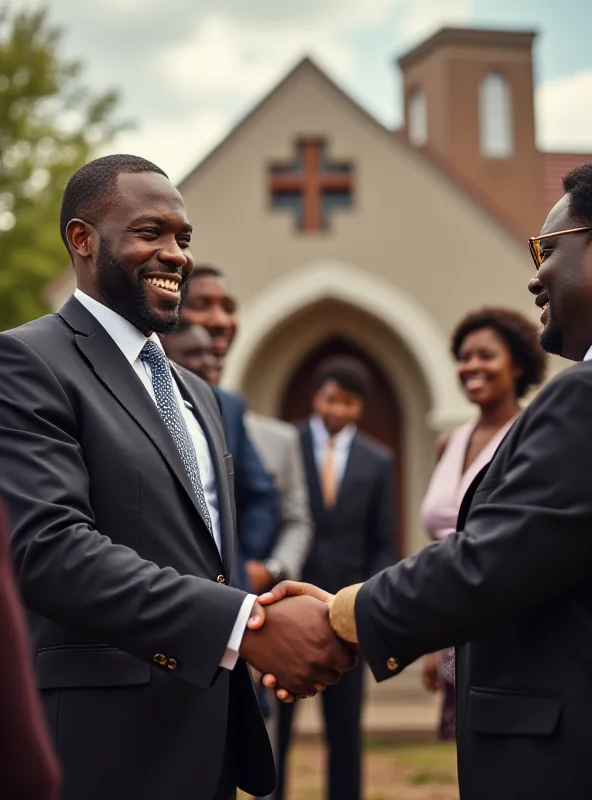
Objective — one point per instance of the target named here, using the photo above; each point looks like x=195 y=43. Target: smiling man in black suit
x=120 y=491
x=512 y=588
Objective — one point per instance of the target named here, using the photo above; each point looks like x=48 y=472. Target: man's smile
x=165 y=286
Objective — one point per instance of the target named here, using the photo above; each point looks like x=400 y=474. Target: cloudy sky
x=188 y=70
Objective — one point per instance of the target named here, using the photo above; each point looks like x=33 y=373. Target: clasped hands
x=289 y=640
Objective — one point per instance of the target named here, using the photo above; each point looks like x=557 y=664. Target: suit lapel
x=119 y=378
x=217 y=455
x=314 y=484
x=352 y=467
x=467 y=500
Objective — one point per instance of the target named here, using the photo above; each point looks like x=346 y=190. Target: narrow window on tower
x=418 y=118
x=496 y=128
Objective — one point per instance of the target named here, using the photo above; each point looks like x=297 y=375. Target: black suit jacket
x=516 y=585
x=130 y=617
x=356 y=538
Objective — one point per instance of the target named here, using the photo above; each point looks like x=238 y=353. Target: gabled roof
x=306 y=64
x=434 y=158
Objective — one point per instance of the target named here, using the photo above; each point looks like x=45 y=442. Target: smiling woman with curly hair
x=498 y=361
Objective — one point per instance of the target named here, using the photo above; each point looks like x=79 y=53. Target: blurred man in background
x=211 y=305
x=191 y=346
x=350 y=483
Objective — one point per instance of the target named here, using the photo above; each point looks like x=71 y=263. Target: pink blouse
x=448 y=485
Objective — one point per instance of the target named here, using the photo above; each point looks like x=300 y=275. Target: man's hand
x=294 y=589
x=259 y=577
x=293 y=641
x=280 y=592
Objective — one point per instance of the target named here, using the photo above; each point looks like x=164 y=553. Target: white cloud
x=420 y=18
x=225 y=58
x=242 y=47
x=173 y=147
x=254 y=13
x=564 y=113
x=228 y=54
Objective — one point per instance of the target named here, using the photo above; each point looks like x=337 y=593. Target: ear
x=81 y=238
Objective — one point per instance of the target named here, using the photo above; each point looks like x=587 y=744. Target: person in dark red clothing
x=28 y=766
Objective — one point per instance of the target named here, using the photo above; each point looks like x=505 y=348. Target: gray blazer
x=278 y=444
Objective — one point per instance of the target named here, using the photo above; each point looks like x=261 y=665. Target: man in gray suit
x=279 y=447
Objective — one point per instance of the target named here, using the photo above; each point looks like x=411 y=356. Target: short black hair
x=578 y=184
x=93 y=186
x=206 y=271
x=520 y=335
x=349 y=373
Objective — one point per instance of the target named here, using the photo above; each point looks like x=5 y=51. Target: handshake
x=290 y=641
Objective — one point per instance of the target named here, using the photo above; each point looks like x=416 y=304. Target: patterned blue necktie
x=170 y=412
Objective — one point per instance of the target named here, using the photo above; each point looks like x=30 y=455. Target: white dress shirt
x=588 y=356
x=342 y=440
x=131 y=341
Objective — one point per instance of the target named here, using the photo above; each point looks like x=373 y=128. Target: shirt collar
x=127 y=337
x=588 y=356
x=321 y=434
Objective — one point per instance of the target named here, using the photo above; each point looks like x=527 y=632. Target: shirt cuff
x=342 y=614
x=230 y=656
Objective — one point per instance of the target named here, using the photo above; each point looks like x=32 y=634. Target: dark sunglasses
x=534 y=243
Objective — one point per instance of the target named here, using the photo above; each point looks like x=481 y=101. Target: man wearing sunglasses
x=512 y=588
x=563 y=259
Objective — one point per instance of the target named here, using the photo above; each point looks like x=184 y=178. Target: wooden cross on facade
x=311 y=186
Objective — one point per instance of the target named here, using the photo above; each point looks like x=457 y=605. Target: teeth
x=163 y=283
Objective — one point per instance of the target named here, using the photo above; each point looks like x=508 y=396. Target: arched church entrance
x=326 y=301
x=277 y=381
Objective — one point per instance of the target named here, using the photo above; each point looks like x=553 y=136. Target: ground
x=392 y=772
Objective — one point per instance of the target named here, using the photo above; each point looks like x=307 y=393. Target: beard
x=551 y=339
x=128 y=298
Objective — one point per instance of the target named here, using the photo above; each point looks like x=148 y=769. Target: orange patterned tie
x=328 y=486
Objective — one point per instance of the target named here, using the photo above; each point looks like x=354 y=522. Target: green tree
x=50 y=124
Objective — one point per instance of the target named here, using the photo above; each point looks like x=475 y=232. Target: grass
x=392 y=772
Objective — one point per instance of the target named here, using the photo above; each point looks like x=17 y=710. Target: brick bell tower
x=469 y=98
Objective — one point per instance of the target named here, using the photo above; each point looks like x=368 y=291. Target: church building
x=342 y=236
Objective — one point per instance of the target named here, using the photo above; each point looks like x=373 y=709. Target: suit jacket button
x=221 y=579
x=160 y=659
x=172 y=663
x=392 y=664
